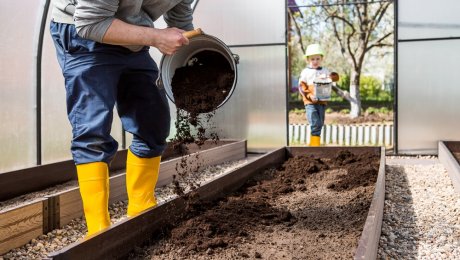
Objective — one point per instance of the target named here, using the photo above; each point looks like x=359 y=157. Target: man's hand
x=334 y=76
x=169 y=40
x=314 y=98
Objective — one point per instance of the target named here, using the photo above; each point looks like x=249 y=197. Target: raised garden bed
x=24 y=222
x=449 y=155
x=327 y=203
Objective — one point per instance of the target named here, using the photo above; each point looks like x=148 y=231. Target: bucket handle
x=236 y=57
x=190 y=34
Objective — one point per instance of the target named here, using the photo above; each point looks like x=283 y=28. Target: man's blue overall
x=98 y=76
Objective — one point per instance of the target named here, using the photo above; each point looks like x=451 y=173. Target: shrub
x=372 y=110
x=345 y=111
x=385 y=110
x=329 y=110
x=370 y=89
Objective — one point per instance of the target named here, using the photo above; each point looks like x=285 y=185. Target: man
x=102 y=48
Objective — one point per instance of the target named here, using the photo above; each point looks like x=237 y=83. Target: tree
x=358 y=28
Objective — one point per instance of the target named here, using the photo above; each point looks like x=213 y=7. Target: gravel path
x=76 y=229
x=422 y=211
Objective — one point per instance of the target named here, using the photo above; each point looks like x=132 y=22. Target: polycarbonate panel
x=238 y=22
x=428 y=19
x=257 y=109
x=18 y=20
x=428 y=95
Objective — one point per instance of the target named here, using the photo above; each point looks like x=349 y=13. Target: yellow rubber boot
x=93 y=179
x=141 y=179
x=315 y=140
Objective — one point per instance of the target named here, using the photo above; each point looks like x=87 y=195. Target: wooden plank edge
x=450 y=163
x=12 y=242
x=122 y=237
x=369 y=241
x=23 y=181
x=321 y=150
x=169 y=152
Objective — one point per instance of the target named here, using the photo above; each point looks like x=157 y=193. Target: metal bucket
x=323 y=89
x=203 y=42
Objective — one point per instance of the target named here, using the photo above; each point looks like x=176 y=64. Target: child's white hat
x=314 y=49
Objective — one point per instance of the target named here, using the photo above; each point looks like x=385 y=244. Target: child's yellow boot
x=315 y=140
x=93 y=179
x=141 y=179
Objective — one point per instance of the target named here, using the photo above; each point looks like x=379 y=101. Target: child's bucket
x=323 y=89
x=186 y=56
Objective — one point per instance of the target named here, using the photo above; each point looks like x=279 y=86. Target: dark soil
x=308 y=208
x=454 y=148
x=202 y=85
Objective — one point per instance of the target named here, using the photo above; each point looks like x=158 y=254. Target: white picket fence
x=345 y=135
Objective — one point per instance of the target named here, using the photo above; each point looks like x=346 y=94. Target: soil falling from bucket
x=199 y=88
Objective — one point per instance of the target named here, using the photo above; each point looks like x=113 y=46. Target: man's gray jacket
x=92 y=18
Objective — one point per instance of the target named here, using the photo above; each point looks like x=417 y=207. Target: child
x=315 y=109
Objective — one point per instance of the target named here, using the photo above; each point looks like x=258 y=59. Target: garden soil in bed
x=308 y=208
x=454 y=148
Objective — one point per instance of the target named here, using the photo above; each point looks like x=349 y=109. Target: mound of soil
x=362 y=170
x=307 y=208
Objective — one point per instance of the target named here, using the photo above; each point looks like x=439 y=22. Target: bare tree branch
x=339 y=38
x=297 y=27
x=379 y=15
x=379 y=43
x=334 y=26
x=347 y=44
x=352 y=54
x=361 y=32
x=335 y=16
